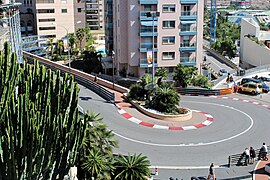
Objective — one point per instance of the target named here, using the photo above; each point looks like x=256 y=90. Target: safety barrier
x=239 y=159
x=93 y=83
x=198 y=91
x=220 y=57
x=212 y=71
x=226 y=91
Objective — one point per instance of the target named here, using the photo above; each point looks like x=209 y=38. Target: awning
x=148 y=23
x=188 y=22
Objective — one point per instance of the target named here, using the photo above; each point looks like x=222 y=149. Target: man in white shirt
x=247 y=155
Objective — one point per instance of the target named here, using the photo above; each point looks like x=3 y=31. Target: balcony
x=188 y=15
x=188 y=61
x=188 y=31
x=144 y=47
x=188 y=1
x=144 y=17
x=148 y=31
x=188 y=47
x=148 y=1
x=144 y=63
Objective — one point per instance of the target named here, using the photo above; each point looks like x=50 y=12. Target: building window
x=168 y=55
x=168 y=24
x=48 y=36
x=79 y=10
x=64 y=10
x=46 y=28
x=46 y=20
x=168 y=8
x=43 y=11
x=168 y=40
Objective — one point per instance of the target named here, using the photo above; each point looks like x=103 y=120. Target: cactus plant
x=41 y=131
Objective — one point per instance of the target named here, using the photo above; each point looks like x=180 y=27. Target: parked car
x=265 y=88
x=250 y=87
x=222 y=72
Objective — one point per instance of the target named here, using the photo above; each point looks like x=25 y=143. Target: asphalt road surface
x=236 y=125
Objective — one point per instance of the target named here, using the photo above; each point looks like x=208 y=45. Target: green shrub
x=201 y=81
x=165 y=99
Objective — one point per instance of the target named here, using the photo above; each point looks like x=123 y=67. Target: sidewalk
x=259 y=173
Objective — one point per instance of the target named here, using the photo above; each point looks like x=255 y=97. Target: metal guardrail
x=222 y=58
x=93 y=86
x=87 y=82
x=198 y=91
x=239 y=159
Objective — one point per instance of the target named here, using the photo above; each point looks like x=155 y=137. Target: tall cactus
x=41 y=131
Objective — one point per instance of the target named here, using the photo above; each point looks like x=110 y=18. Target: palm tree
x=166 y=99
x=100 y=142
x=97 y=164
x=184 y=75
x=134 y=167
x=50 y=46
x=80 y=33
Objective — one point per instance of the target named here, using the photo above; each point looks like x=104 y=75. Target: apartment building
x=174 y=32
x=56 y=18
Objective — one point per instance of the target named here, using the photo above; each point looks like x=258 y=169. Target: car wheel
x=253 y=92
x=240 y=90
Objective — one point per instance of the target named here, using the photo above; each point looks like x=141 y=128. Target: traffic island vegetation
x=163 y=97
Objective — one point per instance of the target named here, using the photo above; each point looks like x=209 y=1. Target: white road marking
x=195 y=144
x=183 y=167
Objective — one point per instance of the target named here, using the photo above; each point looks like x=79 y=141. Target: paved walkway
x=259 y=173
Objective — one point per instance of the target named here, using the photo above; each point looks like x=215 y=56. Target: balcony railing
x=144 y=47
x=144 y=63
x=188 y=1
x=188 y=47
x=188 y=31
x=188 y=13
x=148 y=1
x=144 y=17
x=188 y=61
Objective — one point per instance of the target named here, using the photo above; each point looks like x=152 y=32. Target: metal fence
x=198 y=91
x=239 y=159
x=83 y=80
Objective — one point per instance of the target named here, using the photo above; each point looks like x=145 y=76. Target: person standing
x=252 y=155
x=264 y=150
x=247 y=155
x=211 y=172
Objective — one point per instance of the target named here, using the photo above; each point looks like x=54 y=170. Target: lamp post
x=153 y=15
x=78 y=22
x=113 y=54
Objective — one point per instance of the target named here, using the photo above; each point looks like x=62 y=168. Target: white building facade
x=178 y=34
x=254 y=43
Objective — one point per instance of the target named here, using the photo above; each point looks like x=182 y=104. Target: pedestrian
x=257 y=90
x=211 y=174
x=247 y=155
x=235 y=87
x=252 y=155
x=263 y=151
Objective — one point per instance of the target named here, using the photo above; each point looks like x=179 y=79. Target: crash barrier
x=226 y=91
x=220 y=57
x=239 y=159
x=198 y=91
x=92 y=82
x=212 y=71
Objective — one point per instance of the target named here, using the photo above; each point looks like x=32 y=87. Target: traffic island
x=184 y=113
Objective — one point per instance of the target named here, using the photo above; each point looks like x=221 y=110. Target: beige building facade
x=178 y=34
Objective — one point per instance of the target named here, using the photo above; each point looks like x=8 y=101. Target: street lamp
x=113 y=54
x=68 y=47
x=153 y=15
